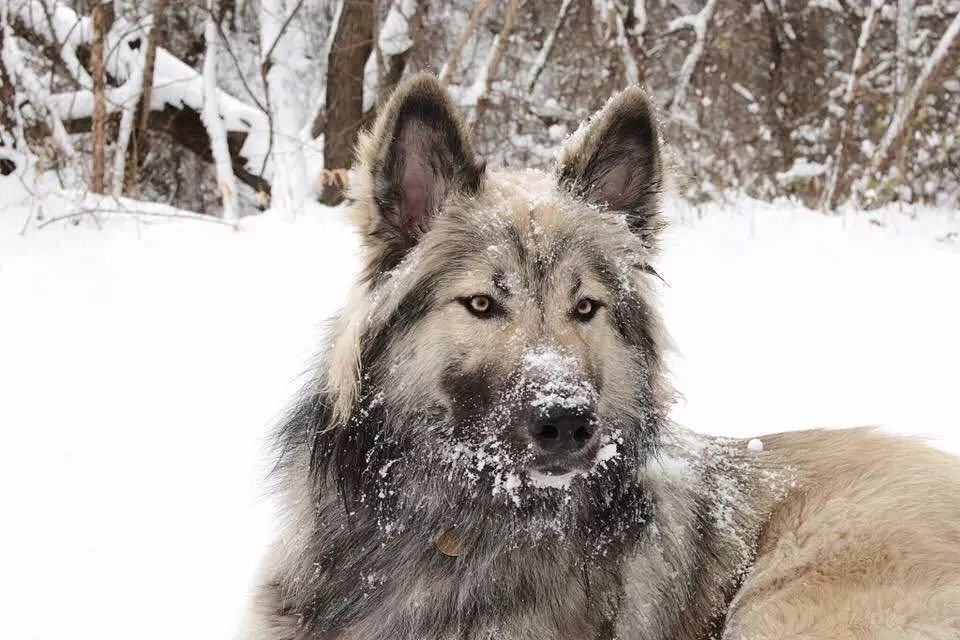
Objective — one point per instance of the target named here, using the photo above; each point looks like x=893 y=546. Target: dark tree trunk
x=344 y=104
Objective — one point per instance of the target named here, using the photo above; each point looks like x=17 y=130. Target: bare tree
x=895 y=138
x=905 y=27
x=344 y=103
x=543 y=56
x=101 y=21
x=797 y=102
x=700 y=24
x=137 y=145
x=850 y=95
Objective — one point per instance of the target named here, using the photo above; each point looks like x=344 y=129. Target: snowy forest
x=172 y=239
x=227 y=107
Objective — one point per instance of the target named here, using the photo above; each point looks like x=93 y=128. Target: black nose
x=561 y=430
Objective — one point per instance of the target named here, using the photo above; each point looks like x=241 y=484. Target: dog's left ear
x=417 y=155
x=614 y=161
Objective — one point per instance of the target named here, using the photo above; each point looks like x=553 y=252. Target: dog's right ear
x=417 y=154
x=614 y=162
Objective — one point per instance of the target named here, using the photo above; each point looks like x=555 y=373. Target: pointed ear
x=417 y=155
x=614 y=161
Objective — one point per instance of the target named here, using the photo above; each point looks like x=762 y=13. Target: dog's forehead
x=524 y=217
x=525 y=232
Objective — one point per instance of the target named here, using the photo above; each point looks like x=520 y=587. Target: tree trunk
x=137 y=148
x=344 y=105
x=101 y=21
x=8 y=98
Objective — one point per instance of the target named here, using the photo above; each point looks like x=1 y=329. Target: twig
x=544 y=55
x=283 y=29
x=152 y=214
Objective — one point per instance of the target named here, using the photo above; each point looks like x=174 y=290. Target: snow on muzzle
x=562 y=418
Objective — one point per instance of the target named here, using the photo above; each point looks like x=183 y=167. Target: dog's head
x=504 y=331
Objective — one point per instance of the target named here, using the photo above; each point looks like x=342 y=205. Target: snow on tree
x=776 y=99
x=226 y=182
x=699 y=23
x=280 y=51
x=895 y=138
x=9 y=123
x=849 y=107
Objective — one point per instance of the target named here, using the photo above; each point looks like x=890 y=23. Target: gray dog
x=485 y=451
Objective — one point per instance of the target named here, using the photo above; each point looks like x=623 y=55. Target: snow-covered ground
x=141 y=365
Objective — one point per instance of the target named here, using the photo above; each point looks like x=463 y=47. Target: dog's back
x=866 y=544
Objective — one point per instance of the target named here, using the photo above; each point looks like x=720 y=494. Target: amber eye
x=585 y=309
x=479 y=304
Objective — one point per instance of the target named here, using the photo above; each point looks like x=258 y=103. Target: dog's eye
x=586 y=308
x=481 y=306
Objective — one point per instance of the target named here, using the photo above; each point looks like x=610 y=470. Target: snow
x=395 y=32
x=64 y=27
x=556 y=380
x=226 y=182
x=143 y=362
x=550 y=481
x=279 y=52
x=755 y=445
x=699 y=22
x=134 y=67
x=802 y=169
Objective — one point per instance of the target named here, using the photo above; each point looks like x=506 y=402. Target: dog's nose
x=561 y=430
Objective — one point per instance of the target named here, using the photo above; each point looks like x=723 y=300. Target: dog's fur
x=416 y=429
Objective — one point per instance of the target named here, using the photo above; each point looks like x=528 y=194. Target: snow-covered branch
x=699 y=23
x=60 y=28
x=540 y=62
x=894 y=139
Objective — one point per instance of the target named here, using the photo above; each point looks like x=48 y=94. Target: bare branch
x=450 y=67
